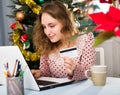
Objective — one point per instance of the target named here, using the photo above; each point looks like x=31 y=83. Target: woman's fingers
x=69 y=65
x=36 y=73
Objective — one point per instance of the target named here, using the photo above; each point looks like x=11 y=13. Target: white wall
x=112 y=56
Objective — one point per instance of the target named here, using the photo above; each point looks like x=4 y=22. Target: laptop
x=10 y=54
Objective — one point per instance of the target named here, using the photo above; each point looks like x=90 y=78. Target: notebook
x=10 y=54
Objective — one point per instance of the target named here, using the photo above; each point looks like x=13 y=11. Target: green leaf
x=75 y=36
x=102 y=37
x=90 y=29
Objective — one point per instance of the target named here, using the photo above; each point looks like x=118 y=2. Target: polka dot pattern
x=54 y=65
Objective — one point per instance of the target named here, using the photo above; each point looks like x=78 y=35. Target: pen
x=22 y=72
x=18 y=69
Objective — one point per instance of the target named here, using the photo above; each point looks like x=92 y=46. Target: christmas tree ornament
x=20 y=16
x=25 y=41
x=77 y=23
x=77 y=10
x=23 y=38
x=16 y=37
x=29 y=56
x=17 y=25
x=34 y=7
x=41 y=1
x=78 y=1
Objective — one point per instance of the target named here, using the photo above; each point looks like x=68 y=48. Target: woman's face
x=52 y=28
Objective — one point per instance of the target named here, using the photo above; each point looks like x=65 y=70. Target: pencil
x=14 y=67
x=6 y=72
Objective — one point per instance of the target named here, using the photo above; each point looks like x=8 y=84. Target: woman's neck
x=67 y=44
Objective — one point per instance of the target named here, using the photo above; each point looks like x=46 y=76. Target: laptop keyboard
x=44 y=83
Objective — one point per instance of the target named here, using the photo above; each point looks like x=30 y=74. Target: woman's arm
x=44 y=67
x=86 y=59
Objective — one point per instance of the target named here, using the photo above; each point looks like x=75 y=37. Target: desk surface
x=85 y=87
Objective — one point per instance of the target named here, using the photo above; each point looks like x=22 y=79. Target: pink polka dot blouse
x=53 y=66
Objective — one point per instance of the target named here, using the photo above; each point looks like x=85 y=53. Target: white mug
x=98 y=74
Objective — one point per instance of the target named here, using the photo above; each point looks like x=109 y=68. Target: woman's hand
x=36 y=73
x=69 y=65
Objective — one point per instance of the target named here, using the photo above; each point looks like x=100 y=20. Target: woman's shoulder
x=85 y=37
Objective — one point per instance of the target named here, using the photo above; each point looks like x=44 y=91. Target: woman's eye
x=52 y=26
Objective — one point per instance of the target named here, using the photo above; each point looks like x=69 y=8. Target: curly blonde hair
x=58 y=11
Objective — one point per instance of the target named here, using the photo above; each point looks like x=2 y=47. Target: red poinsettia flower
x=109 y=21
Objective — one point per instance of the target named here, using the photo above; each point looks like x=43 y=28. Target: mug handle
x=86 y=74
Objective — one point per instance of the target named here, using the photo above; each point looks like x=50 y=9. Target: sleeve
x=44 y=66
x=86 y=59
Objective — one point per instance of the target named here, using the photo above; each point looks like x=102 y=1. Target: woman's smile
x=51 y=36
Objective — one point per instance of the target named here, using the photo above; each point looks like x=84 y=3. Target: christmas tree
x=25 y=12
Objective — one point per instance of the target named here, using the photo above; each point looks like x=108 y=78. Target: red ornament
x=17 y=25
x=13 y=26
x=25 y=41
x=23 y=38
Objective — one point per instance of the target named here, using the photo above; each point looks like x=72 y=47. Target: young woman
x=51 y=31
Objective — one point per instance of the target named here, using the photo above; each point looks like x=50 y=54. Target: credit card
x=69 y=52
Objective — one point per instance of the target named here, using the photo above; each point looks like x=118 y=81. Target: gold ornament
x=20 y=16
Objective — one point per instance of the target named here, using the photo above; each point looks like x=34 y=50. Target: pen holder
x=15 y=86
